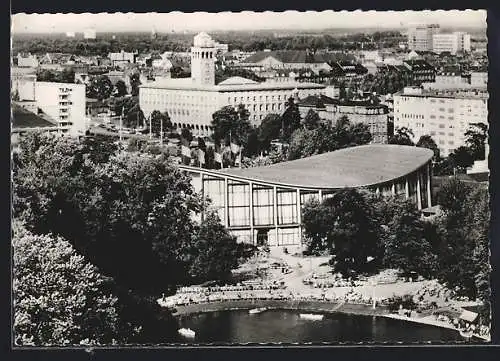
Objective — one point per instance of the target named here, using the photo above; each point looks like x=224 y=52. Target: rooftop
x=287 y=56
x=350 y=167
x=22 y=118
x=233 y=84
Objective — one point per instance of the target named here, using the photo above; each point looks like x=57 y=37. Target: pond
x=285 y=326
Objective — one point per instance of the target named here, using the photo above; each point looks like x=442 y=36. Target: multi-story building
x=451 y=79
x=289 y=59
x=445 y=113
x=89 y=33
x=23 y=83
x=452 y=43
x=63 y=102
x=122 y=57
x=357 y=111
x=27 y=60
x=191 y=102
x=420 y=71
x=420 y=36
x=479 y=78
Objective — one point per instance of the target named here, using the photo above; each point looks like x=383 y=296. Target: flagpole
x=161 y=132
x=150 y=128
x=121 y=121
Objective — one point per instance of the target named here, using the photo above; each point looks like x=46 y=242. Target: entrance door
x=262 y=239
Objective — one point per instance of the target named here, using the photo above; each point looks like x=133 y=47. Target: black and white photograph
x=250 y=178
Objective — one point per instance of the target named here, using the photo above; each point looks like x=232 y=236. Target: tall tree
x=120 y=88
x=59 y=298
x=311 y=120
x=134 y=83
x=186 y=134
x=462 y=158
x=457 y=267
x=212 y=241
x=426 y=141
x=402 y=136
x=231 y=125
x=157 y=118
x=290 y=120
x=475 y=139
x=269 y=130
x=406 y=248
x=100 y=87
x=345 y=225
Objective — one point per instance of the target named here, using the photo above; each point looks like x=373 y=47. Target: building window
x=287 y=206
x=239 y=203
x=214 y=189
x=263 y=205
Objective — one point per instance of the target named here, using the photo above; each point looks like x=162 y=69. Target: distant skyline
x=246 y=20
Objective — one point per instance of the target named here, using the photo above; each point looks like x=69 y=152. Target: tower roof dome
x=203 y=40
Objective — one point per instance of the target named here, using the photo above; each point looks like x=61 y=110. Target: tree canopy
x=117 y=209
x=475 y=139
x=157 y=118
x=231 y=125
x=60 y=299
x=426 y=141
x=100 y=87
x=327 y=138
x=402 y=136
x=120 y=88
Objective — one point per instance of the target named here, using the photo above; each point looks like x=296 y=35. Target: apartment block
x=63 y=102
x=445 y=113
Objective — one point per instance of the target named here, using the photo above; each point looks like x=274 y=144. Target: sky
x=247 y=20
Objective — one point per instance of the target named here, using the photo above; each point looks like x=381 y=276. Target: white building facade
x=444 y=114
x=452 y=43
x=63 y=102
x=420 y=36
x=191 y=102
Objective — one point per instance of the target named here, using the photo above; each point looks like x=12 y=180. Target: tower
x=203 y=60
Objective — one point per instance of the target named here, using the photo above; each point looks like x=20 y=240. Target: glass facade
x=423 y=188
x=287 y=206
x=263 y=213
x=412 y=187
x=214 y=189
x=278 y=224
x=238 y=203
x=306 y=196
x=400 y=187
x=288 y=236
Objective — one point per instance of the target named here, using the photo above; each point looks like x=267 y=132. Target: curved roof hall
x=352 y=167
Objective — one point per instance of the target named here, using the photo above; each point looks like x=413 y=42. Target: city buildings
x=357 y=111
x=479 y=78
x=289 y=59
x=27 y=60
x=118 y=59
x=191 y=102
x=420 y=71
x=23 y=83
x=89 y=33
x=263 y=205
x=420 y=36
x=348 y=71
x=443 y=112
x=452 y=42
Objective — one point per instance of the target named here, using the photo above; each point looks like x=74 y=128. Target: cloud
x=247 y=20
